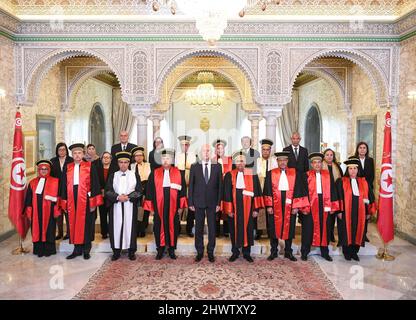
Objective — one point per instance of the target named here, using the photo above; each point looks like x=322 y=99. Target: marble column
x=255 y=119
x=156 y=118
x=142 y=131
x=271 y=123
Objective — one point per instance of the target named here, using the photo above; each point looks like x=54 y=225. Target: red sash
x=347 y=208
x=77 y=217
x=50 y=194
x=314 y=205
x=175 y=177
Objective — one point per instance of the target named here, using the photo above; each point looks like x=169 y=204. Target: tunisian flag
x=385 y=201
x=18 y=181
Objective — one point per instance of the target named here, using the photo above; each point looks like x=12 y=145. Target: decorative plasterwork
x=216 y=64
x=270 y=68
x=287 y=7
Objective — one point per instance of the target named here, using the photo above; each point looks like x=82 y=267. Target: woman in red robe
x=356 y=206
x=41 y=209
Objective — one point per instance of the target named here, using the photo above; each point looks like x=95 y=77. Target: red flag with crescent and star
x=385 y=202
x=18 y=181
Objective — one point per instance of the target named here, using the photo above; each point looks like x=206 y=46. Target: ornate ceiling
x=379 y=8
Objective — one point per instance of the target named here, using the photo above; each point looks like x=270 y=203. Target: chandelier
x=205 y=96
x=211 y=16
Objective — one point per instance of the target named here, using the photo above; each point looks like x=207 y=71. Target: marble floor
x=29 y=277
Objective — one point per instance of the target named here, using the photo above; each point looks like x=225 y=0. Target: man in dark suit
x=204 y=197
x=124 y=145
x=251 y=154
x=298 y=157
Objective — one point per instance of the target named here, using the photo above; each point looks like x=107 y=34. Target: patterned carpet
x=184 y=279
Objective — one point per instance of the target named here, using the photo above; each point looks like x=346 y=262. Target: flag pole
x=20 y=250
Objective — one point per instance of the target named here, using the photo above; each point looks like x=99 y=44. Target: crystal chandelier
x=211 y=16
x=205 y=96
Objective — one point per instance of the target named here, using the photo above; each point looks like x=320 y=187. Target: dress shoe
x=104 y=236
x=159 y=256
x=142 y=234
x=40 y=255
x=304 y=257
x=58 y=237
x=172 y=255
x=132 y=256
x=87 y=256
x=66 y=237
x=211 y=258
x=190 y=234
x=73 y=255
x=290 y=257
x=258 y=237
x=272 y=256
x=115 y=257
x=198 y=257
x=327 y=257
x=366 y=239
x=233 y=258
x=249 y=258
x=354 y=256
x=226 y=235
x=347 y=257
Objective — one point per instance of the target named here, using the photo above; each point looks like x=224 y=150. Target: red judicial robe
x=227 y=166
x=78 y=199
x=320 y=206
x=283 y=221
x=242 y=203
x=354 y=210
x=165 y=202
x=42 y=209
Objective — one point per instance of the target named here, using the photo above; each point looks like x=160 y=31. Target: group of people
x=254 y=194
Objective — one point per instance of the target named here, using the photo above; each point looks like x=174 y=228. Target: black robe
x=166 y=224
x=111 y=200
x=241 y=223
x=352 y=223
x=85 y=195
x=43 y=240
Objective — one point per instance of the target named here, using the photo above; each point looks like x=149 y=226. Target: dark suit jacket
x=302 y=164
x=201 y=194
x=114 y=149
x=56 y=167
x=368 y=171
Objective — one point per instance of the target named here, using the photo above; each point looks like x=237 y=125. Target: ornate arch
x=79 y=80
x=37 y=71
x=333 y=82
x=234 y=58
x=374 y=71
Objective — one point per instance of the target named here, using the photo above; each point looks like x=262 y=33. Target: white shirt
x=283 y=182
x=362 y=162
x=298 y=148
x=354 y=186
x=123 y=183
x=240 y=181
x=318 y=183
x=76 y=174
x=40 y=186
x=123 y=147
x=166 y=178
x=209 y=168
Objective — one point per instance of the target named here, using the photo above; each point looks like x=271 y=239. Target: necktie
x=206 y=173
x=186 y=155
x=124 y=148
x=296 y=153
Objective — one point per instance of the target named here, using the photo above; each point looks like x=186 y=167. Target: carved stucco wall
x=405 y=200
x=48 y=103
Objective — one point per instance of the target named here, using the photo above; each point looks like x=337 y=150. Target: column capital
x=140 y=110
x=253 y=116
